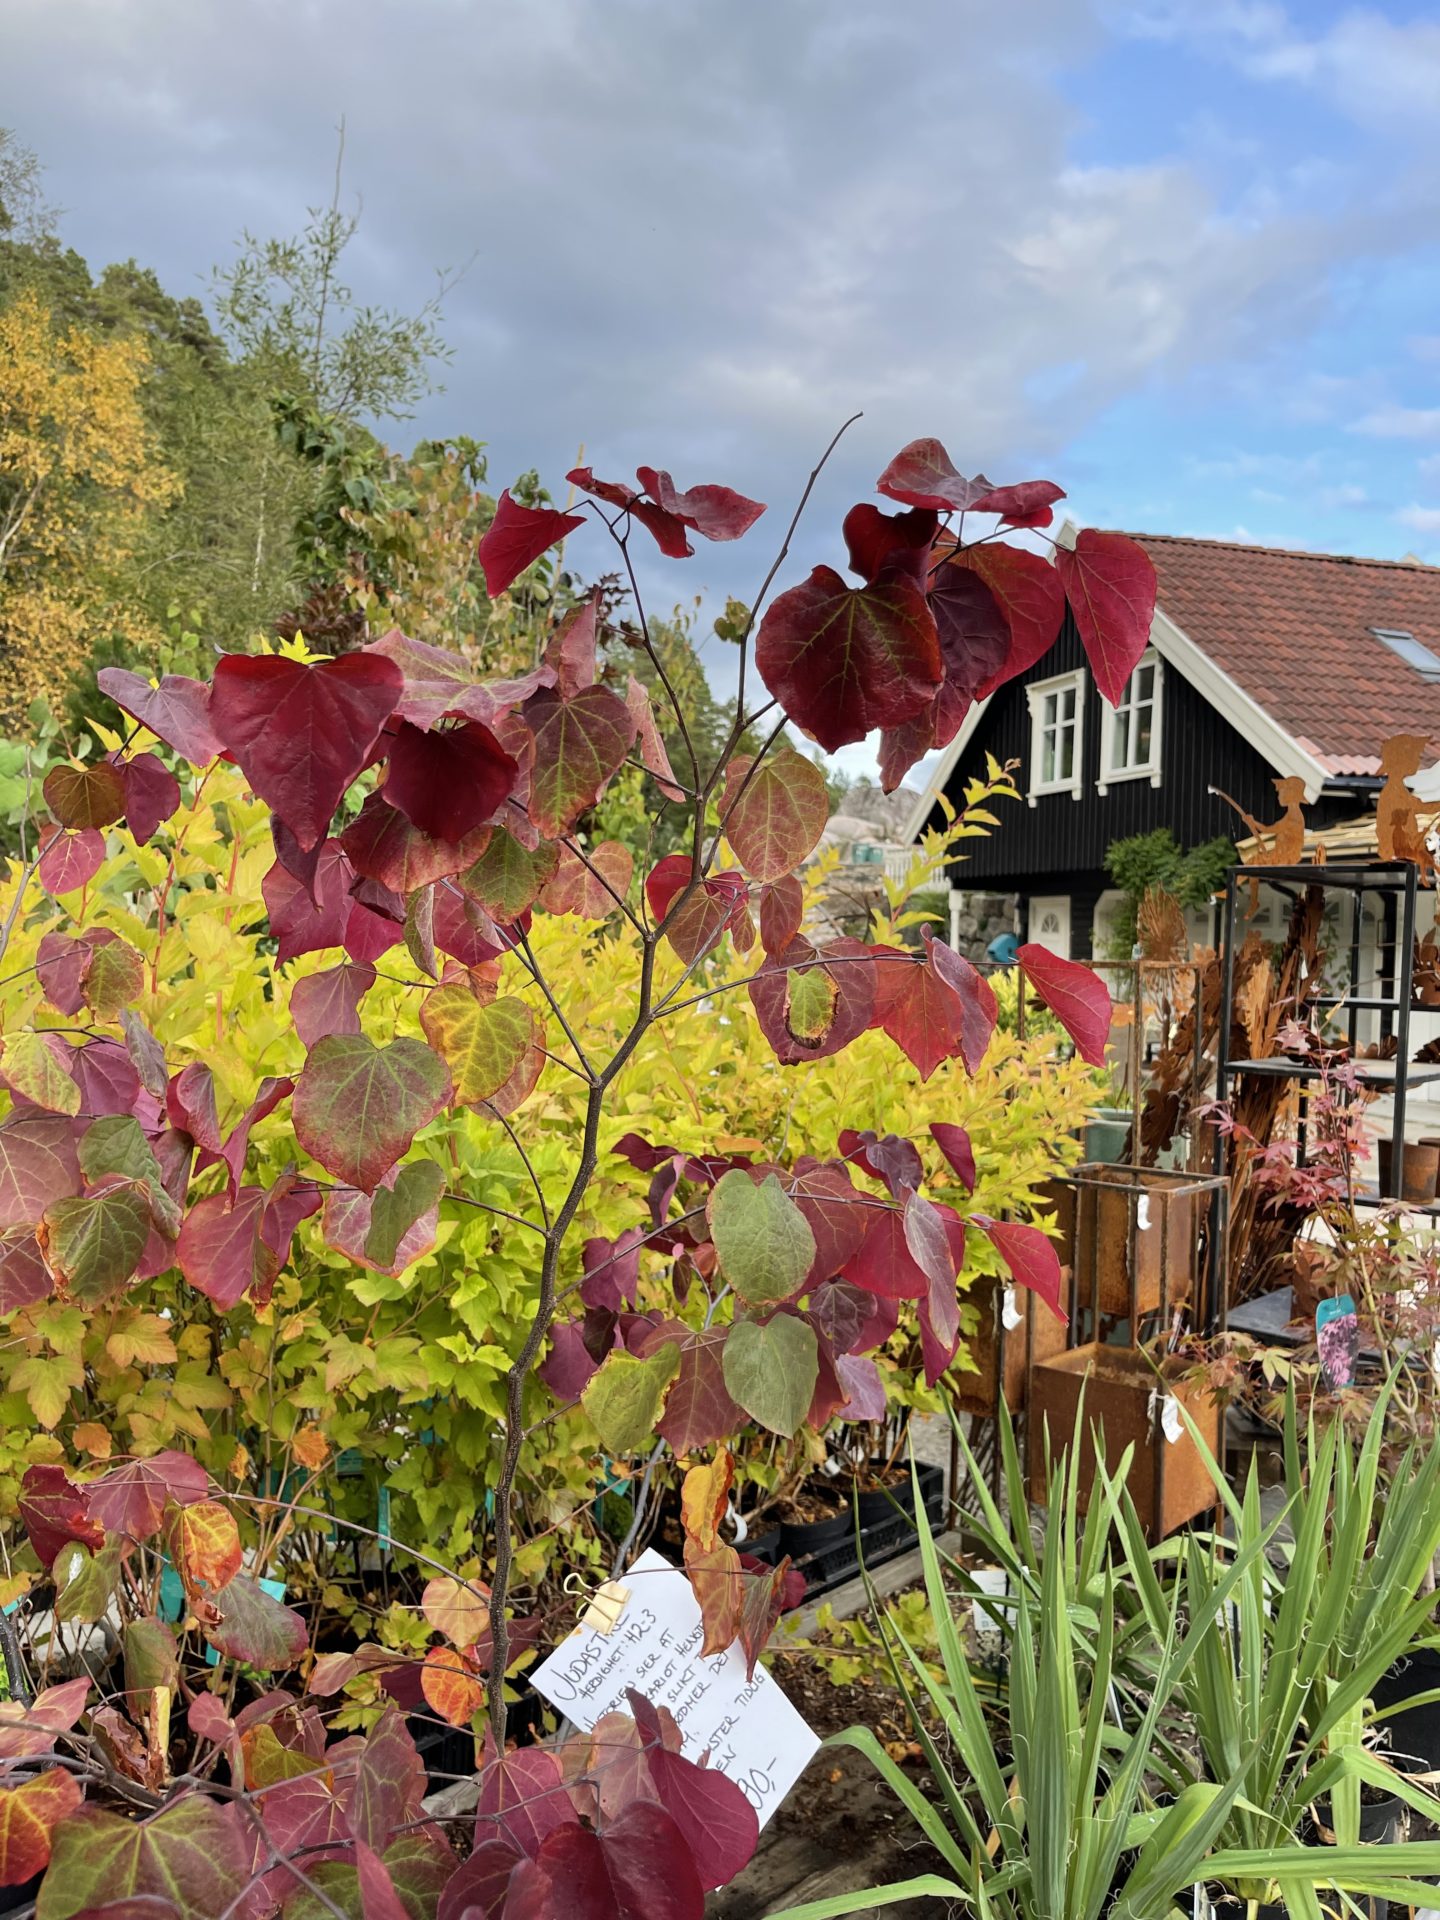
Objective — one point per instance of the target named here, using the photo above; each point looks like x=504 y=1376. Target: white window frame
x=1074 y=783
x=1151 y=770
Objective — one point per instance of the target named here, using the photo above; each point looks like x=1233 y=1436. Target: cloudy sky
x=1180 y=255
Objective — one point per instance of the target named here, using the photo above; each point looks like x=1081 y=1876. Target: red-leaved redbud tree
x=419 y=808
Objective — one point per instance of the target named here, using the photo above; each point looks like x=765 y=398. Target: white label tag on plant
x=750 y=1730
x=1171 y=1424
x=1010 y=1315
x=1142 y=1213
x=995 y=1582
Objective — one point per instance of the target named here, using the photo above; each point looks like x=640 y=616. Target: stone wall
x=982 y=917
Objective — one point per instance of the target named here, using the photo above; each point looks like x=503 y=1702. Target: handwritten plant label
x=750 y=1730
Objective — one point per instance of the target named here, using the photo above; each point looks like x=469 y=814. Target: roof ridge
x=1280 y=553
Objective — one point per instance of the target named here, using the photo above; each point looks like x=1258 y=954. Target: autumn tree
x=80 y=475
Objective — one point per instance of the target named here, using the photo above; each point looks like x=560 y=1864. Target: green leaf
x=357 y=1106
x=779 y=815
x=394 y=1210
x=190 y=1855
x=47 y=1384
x=150 y=1658
x=85 y=1582
x=35 y=1065
x=419 y=1865
x=762 y=1240
x=92 y=1244
x=114 y=977
x=771 y=1370
x=507 y=877
x=811 y=995
x=627 y=1396
x=483 y=1044
x=115 y=1145
x=579 y=744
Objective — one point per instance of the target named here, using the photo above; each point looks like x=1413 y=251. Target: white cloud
x=1400 y=423
x=1420 y=519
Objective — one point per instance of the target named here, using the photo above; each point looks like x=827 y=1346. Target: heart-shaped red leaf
x=177 y=711
x=1109 y=581
x=450 y=780
x=922 y=474
x=716 y=513
x=517 y=537
x=579 y=744
x=1078 y=998
x=843 y=660
x=1030 y=1257
x=301 y=734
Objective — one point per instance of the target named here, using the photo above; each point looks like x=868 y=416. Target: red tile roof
x=1293 y=630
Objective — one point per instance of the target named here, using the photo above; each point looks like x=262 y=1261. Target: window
x=1057 y=718
x=1412 y=651
x=1130 y=733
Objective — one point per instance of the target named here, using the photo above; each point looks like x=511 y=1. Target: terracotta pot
x=1136 y=1238
x=1419 y=1168
x=1168 y=1480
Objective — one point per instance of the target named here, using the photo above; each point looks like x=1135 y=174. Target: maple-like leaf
x=357 y=1106
x=301 y=734
x=1109 y=580
x=844 y=660
x=29 y=1814
x=1078 y=998
x=516 y=538
x=176 y=711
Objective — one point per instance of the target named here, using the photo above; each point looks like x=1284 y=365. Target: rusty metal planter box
x=1169 y=1480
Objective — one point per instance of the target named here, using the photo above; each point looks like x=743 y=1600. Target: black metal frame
x=1398 y=884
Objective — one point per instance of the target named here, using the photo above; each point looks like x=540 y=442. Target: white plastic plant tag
x=996 y=1582
x=748 y=1727
x=1171 y=1424
x=1010 y=1314
x=1203 y=1910
x=1142 y=1213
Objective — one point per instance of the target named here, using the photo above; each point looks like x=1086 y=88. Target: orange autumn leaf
x=718 y=1582
x=703 y=1498
x=28 y=1816
x=448 y=1682
x=205 y=1542
x=457 y=1608
x=310 y=1447
x=91 y=1438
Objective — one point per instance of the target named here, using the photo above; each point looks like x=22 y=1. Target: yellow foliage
x=78 y=477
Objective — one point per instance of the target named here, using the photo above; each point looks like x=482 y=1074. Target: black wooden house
x=1263 y=664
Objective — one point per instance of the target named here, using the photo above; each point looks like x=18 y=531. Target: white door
x=1050 y=922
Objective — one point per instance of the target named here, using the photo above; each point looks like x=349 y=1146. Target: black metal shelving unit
x=1397 y=883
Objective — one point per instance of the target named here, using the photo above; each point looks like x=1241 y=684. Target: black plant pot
x=1413 y=1729
x=17 y=1899
x=800 y=1538
x=1382 y=1821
